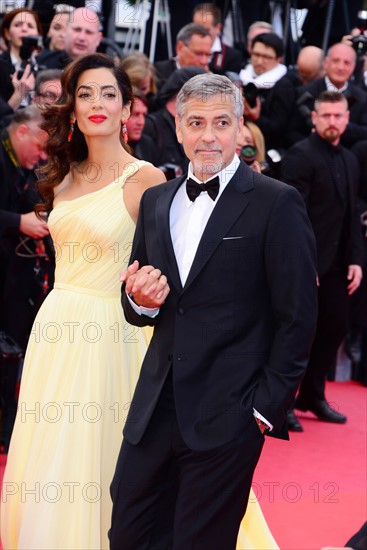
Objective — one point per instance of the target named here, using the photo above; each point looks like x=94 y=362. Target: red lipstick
x=97 y=119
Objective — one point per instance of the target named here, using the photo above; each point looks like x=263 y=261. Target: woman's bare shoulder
x=63 y=185
x=149 y=175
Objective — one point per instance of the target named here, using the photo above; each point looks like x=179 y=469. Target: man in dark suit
x=193 y=45
x=233 y=328
x=326 y=174
x=224 y=58
x=339 y=65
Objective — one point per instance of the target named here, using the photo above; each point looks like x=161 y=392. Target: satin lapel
x=164 y=235
x=231 y=204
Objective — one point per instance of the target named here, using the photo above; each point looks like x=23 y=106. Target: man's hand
x=21 y=87
x=252 y=113
x=147 y=285
x=32 y=226
x=355 y=277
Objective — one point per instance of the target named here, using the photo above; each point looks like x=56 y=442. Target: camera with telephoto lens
x=250 y=92
x=248 y=154
x=359 y=42
x=304 y=110
x=30 y=45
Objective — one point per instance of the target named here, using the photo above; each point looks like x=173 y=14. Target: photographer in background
x=47 y=89
x=358 y=40
x=260 y=78
x=18 y=65
x=142 y=146
x=339 y=65
x=25 y=276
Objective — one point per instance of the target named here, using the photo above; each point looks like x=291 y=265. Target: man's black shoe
x=323 y=411
x=292 y=422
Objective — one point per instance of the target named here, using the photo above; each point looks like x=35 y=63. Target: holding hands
x=147 y=286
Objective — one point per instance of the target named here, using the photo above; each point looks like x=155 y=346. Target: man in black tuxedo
x=233 y=329
x=326 y=174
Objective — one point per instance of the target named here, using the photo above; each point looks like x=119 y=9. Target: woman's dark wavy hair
x=60 y=152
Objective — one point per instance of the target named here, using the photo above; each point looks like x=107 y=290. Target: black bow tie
x=193 y=188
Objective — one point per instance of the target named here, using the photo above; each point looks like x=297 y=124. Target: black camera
x=359 y=42
x=250 y=92
x=30 y=45
x=304 y=110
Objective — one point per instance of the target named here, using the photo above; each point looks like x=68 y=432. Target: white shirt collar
x=224 y=175
x=332 y=88
x=217 y=45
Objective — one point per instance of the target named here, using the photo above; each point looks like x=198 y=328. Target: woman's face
x=23 y=24
x=245 y=138
x=57 y=31
x=98 y=107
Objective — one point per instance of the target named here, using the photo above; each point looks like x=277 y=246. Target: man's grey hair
x=205 y=86
x=44 y=76
x=27 y=116
x=186 y=33
x=261 y=25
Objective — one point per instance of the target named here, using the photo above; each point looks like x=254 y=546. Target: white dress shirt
x=188 y=219
x=332 y=88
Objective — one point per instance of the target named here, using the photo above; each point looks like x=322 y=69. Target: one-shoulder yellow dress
x=80 y=370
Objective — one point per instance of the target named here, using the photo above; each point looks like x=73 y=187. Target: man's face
x=82 y=34
x=30 y=145
x=339 y=64
x=330 y=120
x=206 y=20
x=209 y=132
x=263 y=58
x=50 y=91
x=252 y=34
x=136 y=122
x=196 y=53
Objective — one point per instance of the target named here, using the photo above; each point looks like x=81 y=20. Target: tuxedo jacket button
x=181 y=311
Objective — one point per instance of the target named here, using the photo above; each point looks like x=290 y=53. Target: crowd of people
x=84 y=136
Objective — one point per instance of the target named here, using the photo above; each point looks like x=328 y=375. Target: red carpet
x=313 y=489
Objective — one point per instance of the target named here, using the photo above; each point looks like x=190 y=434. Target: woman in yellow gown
x=82 y=359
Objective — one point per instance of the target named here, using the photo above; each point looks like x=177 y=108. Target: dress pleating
x=80 y=370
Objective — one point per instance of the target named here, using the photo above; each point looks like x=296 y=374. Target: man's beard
x=206 y=167
x=331 y=134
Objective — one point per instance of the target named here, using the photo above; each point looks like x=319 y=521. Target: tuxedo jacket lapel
x=164 y=234
x=231 y=204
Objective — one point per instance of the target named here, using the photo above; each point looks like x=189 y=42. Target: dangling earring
x=125 y=137
x=71 y=131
